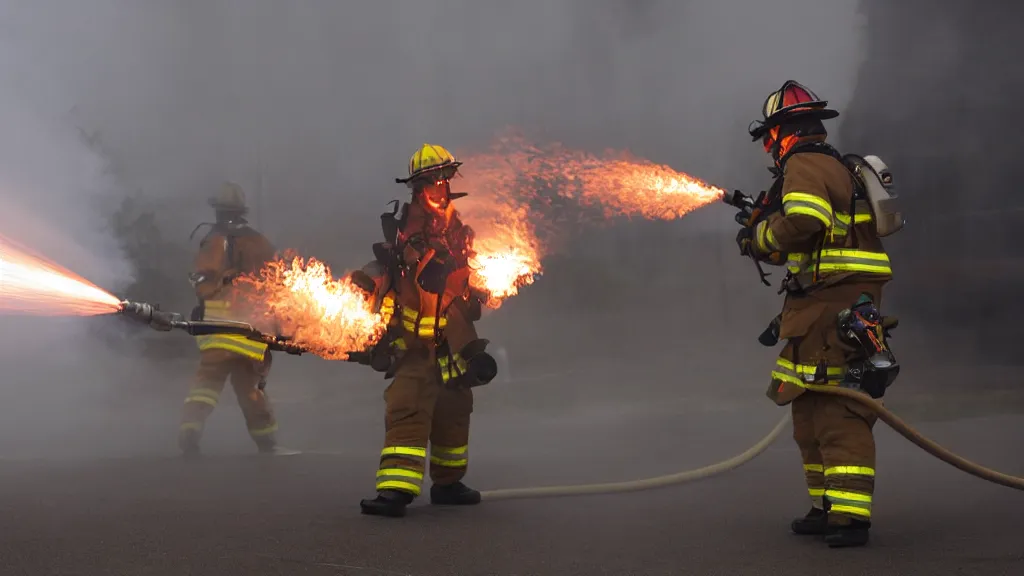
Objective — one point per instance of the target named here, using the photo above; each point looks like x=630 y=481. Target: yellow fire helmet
x=431 y=161
x=230 y=198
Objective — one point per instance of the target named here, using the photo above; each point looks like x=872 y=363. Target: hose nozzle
x=151 y=315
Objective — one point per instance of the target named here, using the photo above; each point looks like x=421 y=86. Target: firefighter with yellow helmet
x=820 y=226
x=420 y=278
x=230 y=248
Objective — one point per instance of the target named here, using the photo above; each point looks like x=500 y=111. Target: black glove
x=745 y=241
x=363 y=281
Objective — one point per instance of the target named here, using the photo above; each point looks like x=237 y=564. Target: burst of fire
x=616 y=181
x=507 y=180
x=325 y=316
x=507 y=251
x=31 y=284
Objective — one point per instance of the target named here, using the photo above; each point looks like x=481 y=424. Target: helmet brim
x=758 y=129
x=222 y=207
x=448 y=170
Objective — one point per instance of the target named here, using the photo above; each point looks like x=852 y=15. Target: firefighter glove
x=744 y=239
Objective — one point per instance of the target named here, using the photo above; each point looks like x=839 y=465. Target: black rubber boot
x=390 y=503
x=188 y=443
x=854 y=533
x=813 y=524
x=457 y=494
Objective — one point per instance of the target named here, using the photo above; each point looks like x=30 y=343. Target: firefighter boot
x=267 y=445
x=188 y=442
x=846 y=534
x=387 y=503
x=814 y=523
x=457 y=494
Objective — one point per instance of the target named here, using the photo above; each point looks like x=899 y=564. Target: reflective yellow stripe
x=450 y=369
x=764 y=240
x=387 y=308
x=853 y=510
x=794 y=203
x=852 y=496
x=847 y=260
x=853 y=503
x=400 y=472
x=412 y=451
x=258 y=432
x=769 y=239
x=400 y=344
x=450 y=457
x=201 y=400
x=842 y=226
x=409 y=487
x=839 y=260
x=219 y=310
x=849 y=471
x=427 y=324
x=816 y=492
x=233 y=343
x=814 y=468
x=802 y=374
x=399 y=479
x=203 y=396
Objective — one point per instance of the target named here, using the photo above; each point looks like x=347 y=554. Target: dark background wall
x=939 y=99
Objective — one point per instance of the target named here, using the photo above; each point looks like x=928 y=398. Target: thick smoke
x=314 y=108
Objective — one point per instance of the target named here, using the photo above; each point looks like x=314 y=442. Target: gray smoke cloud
x=315 y=106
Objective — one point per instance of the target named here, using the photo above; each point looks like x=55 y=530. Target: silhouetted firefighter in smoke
x=421 y=279
x=229 y=249
x=819 y=222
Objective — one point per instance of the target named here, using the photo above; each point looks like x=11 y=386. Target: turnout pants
x=215 y=367
x=838 y=449
x=420 y=410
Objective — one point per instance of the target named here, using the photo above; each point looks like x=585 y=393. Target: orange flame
x=326 y=317
x=506 y=183
x=507 y=252
x=617 y=181
x=31 y=284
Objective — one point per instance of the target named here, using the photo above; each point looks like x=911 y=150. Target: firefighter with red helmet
x=420 y=280
x=821 y=230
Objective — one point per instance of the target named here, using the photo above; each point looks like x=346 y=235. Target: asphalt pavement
x=234 y=512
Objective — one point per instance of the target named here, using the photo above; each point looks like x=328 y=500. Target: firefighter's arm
x=207 y=276
x=806 y=211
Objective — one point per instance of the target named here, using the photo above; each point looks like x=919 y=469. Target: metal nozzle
x=151 y=315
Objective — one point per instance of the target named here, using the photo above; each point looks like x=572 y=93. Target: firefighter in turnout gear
x=820 y=228
x=230 y=248
x=420 y=277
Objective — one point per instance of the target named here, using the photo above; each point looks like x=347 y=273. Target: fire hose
x=166 y=321
x=884 y=414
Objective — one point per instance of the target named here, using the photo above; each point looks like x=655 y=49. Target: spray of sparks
x=327 y=317
x=31 y=284
x=507 y=183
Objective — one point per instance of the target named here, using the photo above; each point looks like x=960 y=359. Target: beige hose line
x=736 y=461
x=646 y=483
